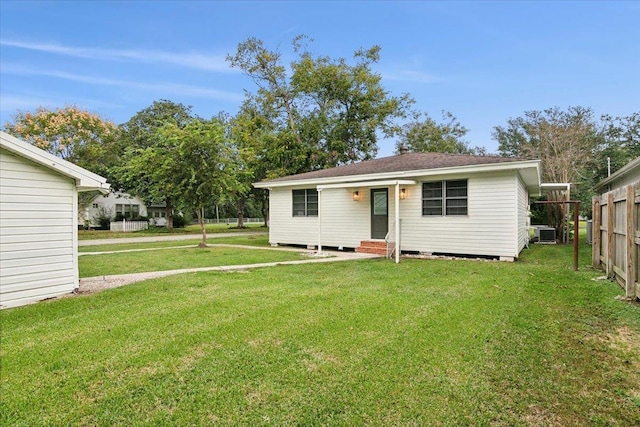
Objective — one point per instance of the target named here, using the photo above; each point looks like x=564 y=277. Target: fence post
x=595 y=232
x=630 y=277
x=610 y=235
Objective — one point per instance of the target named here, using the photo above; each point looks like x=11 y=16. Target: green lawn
x=177 y=258
x=154 y=231
x=425 y=342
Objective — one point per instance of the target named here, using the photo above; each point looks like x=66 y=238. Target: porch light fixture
x=403 y=193
x=356 y=196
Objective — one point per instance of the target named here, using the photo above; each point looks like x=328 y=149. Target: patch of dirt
x=539 y=416
x=626 y=341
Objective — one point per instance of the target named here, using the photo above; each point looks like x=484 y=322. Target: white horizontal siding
x=345 y=222
x=489 y=228
x=35 y=215
x=35 y=244
x=624 y=180
x=37 y=232
x=523 y=215
x=12 y=273
x=33 y=254
x=36 y=222
x=37 y=290
x=8 y=239
x=25 y=229
x=286 y=229
x=20 y=187
x=28 y=175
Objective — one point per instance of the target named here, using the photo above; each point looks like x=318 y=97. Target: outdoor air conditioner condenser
x=547 y=235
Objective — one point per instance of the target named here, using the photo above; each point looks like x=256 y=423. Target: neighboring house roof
x=85 y=180
x=631 y=168
x=409 y=165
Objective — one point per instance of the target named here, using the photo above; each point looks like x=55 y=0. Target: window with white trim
x=128 y=211
x=305 y=202
x=447 y=198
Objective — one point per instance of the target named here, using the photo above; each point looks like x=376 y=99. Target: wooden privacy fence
x=616 y=236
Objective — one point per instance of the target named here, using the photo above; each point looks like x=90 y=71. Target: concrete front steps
x=377 y=247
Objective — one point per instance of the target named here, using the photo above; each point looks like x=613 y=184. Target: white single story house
x=124 y=204
x=436 y=203
x=39 y=222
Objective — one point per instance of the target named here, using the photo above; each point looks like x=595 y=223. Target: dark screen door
x=379 y=213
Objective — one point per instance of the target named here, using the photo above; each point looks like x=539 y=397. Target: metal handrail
x=386 y=241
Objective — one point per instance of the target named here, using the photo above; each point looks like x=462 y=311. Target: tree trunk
x=240 y=212
x=169 y=216
x=265 y=210
x=200 y=214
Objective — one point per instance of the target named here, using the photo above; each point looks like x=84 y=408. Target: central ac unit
x=547 y=235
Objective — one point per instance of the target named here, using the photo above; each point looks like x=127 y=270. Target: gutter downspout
x=319 y=221
x=397 y=224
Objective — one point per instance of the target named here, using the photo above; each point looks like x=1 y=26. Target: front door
x=379 y=213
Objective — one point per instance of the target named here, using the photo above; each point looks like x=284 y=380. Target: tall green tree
x=147 y=168
x=566 y=141
x=140 y=129
x=207 y=165
x=621 y=143
x=73 y=134
x=258 y=143
x=426 y=135
x=324 y=111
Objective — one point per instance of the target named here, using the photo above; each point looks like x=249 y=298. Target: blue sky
x=483 y=61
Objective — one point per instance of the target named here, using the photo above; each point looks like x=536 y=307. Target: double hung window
x=305 y=202
x=444 y=198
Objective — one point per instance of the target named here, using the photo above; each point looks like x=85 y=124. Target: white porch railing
x=390 y=239
x=128 y=226
x=391 y=246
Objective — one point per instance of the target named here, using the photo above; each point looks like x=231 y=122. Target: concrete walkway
x=95 y=284
x=167 y=238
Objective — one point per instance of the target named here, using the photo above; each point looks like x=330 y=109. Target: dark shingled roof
x=399 y=163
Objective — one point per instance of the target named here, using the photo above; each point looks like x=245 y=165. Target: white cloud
x=174 y=88
x=187 y=60
x=12 y=102
x=411 y=76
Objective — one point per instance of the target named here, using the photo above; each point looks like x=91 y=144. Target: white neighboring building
x=628 y=174
x=434 y=203
x=124 y=204
x=39 y=222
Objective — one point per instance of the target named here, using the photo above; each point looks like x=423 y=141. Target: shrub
x=179 y=221
x=103 y=218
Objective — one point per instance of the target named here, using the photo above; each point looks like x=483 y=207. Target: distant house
x=39 y=222
x=122 y=205
x=628 y=174
x=435 y=203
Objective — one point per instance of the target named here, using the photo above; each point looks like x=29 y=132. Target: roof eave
x=487 y=167
x=85 y=180
x=628 y=168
